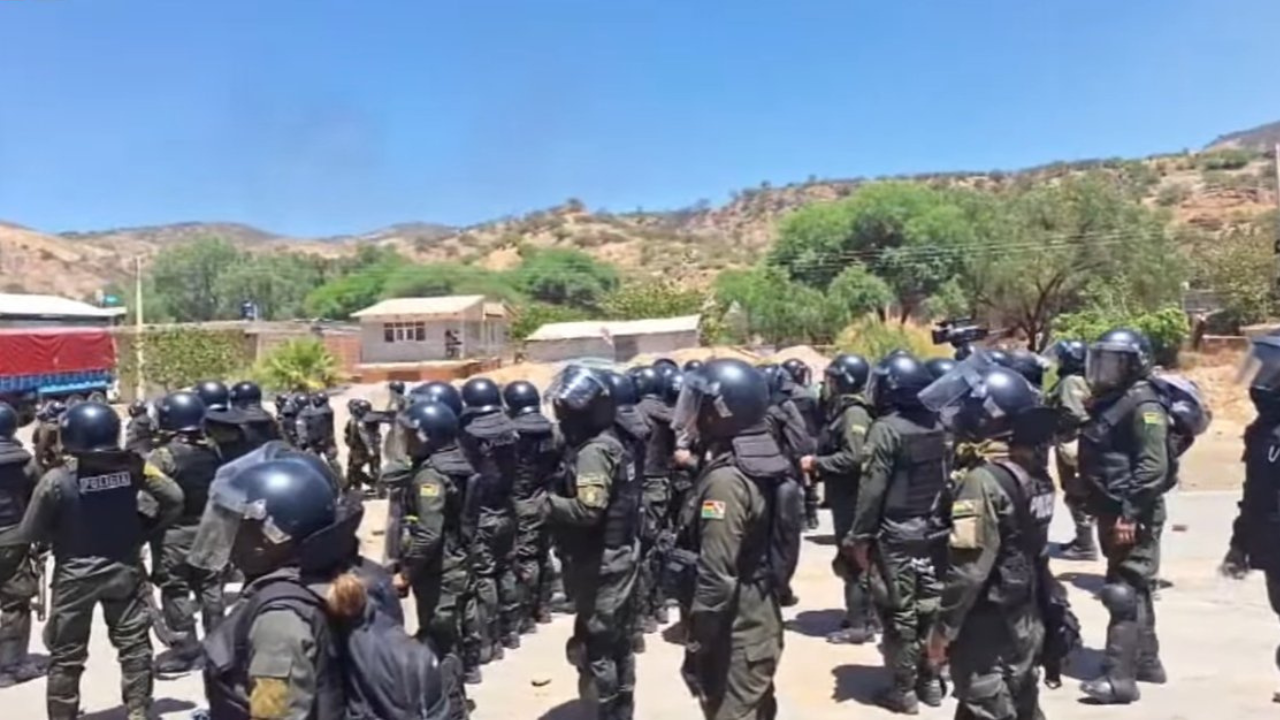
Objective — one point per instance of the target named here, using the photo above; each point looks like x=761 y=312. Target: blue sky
x=317 y=117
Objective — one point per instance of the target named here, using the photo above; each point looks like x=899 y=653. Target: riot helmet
x=89 y=427
x=847 y=375
x=396 y=387
x=665 y=366
x=583 y=402
x=359 y=407
x=648 y=382
x=282 y=401
x=998 y=356
x=671 y=386
x=1117 y=360
x=261 y=509
x=214 y=395
x=521 y=398
x=1027 y=364
x=939 y=366
x=799 y=371
x=1261 y=372
x=431 y=426
x=137 y=408
x=1068 y=355
x=246 y=394
x=623 y=389
x=481 y=395
x=181 y=412
x=693 y=366
x=320 y=399
x=8 y=422
x=442 y=392
x=896 y=382
x=981 y=400
x=720 y=401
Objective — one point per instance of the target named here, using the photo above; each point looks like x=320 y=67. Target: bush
x=1228 y=159
x=1171 y=195
x=1166 y=328
x=180 y=357
x=873 y=339
x=301 y=364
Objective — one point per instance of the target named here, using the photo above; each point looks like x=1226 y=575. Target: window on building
x=404 y=332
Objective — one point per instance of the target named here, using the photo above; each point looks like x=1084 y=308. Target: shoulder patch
x=964 y=508
x=858 y=430
x=429 y=490
x=1152 y=418
x=592 y=495
x=712 y=510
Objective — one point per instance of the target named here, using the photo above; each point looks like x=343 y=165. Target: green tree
x=652 y=298
x=764 y=303
x=186 y=278
x=437 y=279
x=1238 y=266
x=856 y=292
x=564 y=276
x=277 y=282
x=300 y=364
x=338 y=298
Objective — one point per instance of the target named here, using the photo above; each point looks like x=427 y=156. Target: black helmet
x=214 y=395
x=583 y=402
x=441 y=392
x=665 y=366
x=433 y=425
x=246 y=394
x=940 y=366
x=798 y=370
x=1117 y=360
x=521 y=398
x=1069 y=356
x=8 y=421
x=671 y=386
x=623 y=389
x=998 y=356
x=181 y=412
x=282 y=400
x=896 y=382
x=1001 y=405
x=648 y=382
x=1027 y=364
x=137 y=408
x=396 y=387
x=847 y=374
x=89 y=427
x=721 y=400
x=693 y=366
x=359 y=407
x=294 y=498
x=481 y=395
x=320 y=398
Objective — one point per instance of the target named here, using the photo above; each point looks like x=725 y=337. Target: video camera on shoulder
x=959 y=333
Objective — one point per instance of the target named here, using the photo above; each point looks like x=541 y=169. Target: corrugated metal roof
x=52 y=306
x=597 y=328
x=447 y=305
x=495 y=309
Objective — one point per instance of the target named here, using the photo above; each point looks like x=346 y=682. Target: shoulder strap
x=1013 y=481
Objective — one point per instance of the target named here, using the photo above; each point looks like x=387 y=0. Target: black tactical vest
x=621 y=526
x=15 y=487
x=661 y=445
x=536 y=455
x=453 y=464
x=99 y=514
x=1260 y=506
x=195 y=465
x=317 y=423
x=1107 y=442
x=139 y=436
x=920 y=477
x=227 y=652
x=490 y=442
x=758 y=457
x=1025 y=543
x=809 y=409
x=633 y=431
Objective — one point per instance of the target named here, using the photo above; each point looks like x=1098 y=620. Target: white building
x=456 y=327
x=619 y=341
x=28 y=311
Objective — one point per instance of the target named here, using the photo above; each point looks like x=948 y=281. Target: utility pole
x=140 y=385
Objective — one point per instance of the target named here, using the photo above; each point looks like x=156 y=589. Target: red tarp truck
x=42 y=363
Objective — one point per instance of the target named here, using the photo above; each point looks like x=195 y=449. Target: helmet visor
x=949 y=393
x=1109 y=366
x=698 y=391
x=1261 y=366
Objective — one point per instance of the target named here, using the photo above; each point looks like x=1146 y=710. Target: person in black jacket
x=658 y=458
x=811 y=410
x=787 y=426
x=19 y=577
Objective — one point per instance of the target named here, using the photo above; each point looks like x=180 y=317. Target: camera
x=959 y=333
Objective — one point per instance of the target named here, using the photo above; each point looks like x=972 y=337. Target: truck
x=68 y=364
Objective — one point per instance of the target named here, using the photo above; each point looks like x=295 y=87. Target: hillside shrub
x=1166 y=328
x=300 y=364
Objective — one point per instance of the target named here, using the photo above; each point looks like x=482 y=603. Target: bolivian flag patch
x=1151 y=418
x=712 y=510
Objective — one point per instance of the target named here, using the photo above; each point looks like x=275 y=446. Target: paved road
x=1219 y=639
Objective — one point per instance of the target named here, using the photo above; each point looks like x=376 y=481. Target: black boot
x=930 y=691
x=16 y=667
x=1118 y=686
x=184 y=657
x=1150 y=669
x=897 y=700
x=1083 y=548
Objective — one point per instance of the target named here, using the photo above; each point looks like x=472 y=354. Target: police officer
x=898 y=523
x=1026 y=363
x=287 y=418
x=434 y=551
x=396 y=400
x=735 y=622
x=597 y=514
x=186 y=456
x=788 y=430
x=216 y=397
x=656 y=497
x=1069 y=396
x=839 y=466
x=1125 y=460
x=364 y=445
x=1255 y=536
x=19 y=563
x=539 y=454
x=799 y=376
x=316 y=431
x=139 y=436
x=88 y=509
x=256 y=425
x=633 y=431
x=490 y=440
x=47 y=448
x=939 y=366
x=990 y=625
x=397 y=403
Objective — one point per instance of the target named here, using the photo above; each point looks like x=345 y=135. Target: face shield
x=230 y=507
x=958 y=387
x=1110 y=366
x=699 y=394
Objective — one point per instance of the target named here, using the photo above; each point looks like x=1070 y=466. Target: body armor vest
x=920 y=479
x=661 y=445
x=808 y=407
x=15 y=487
x=1026 y=543
x=453 y=464
x=317 y=425
x=1260 y=505
x=99 y=514
x=621 y=526
x=536 y=456
x=758 y=457
x=1107 y=441
x=455 y=488
x=227 y=652
x=633 y=431
x=490 y=443
x=195 y=465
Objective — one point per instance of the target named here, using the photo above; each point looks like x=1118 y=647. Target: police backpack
x=1189 y=414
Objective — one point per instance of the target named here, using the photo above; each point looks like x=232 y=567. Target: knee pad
x=1121 y=600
